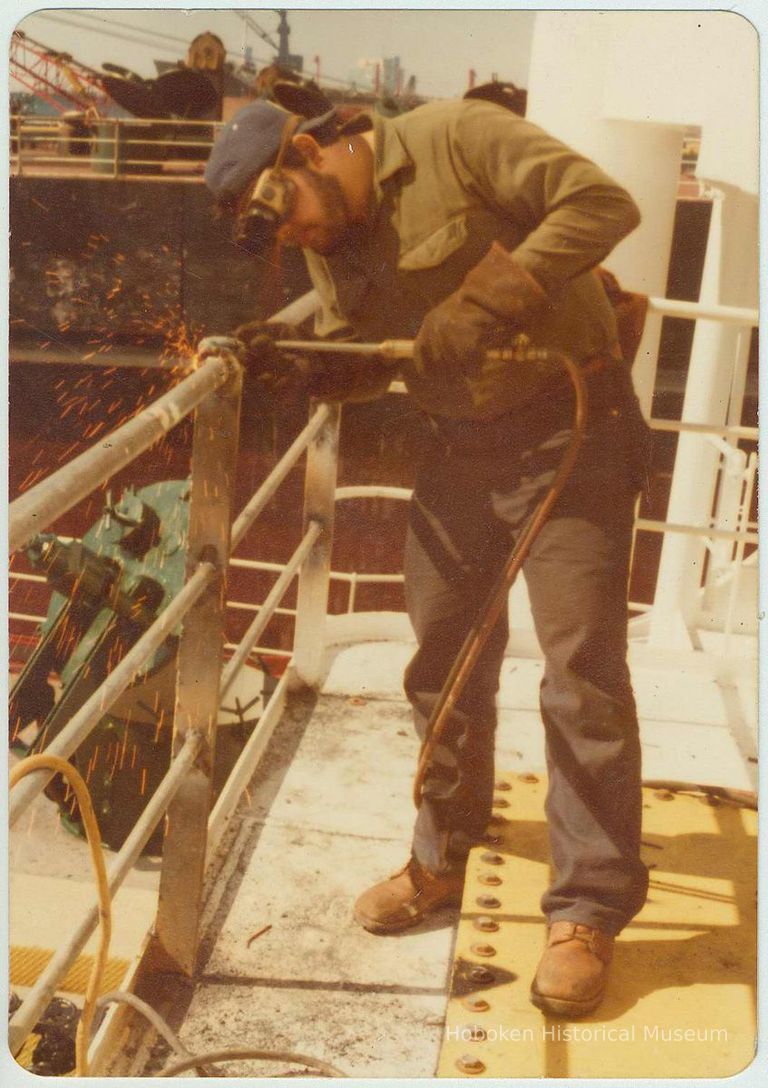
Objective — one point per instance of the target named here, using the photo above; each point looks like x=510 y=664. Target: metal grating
x=27 y=964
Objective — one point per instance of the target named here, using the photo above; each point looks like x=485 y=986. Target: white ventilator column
x=576 y=71
x=622 y=87
x=575 y=61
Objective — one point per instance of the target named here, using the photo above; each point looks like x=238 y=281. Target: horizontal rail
x=25 y=617
x=141 y=358
x=698 y=311
x=256 y=564
x=682 y=427
x=28 y=1013
x=366 y=579
x=248 y=606
x=22 y=576
x=236 y=606
x=124 y=166
x=20 y=122
x=294 y=313
x=372 y=491
x=169 y=178
x=266 y=611
x=80 y=724
x=267 y=651
x=37 y=508
x=652 y=526
x=335 y=575
x=256 y=504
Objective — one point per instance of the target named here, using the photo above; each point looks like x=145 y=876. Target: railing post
x=314 y=577
x=214 y=459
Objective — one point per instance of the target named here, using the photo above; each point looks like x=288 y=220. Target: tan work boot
x=406 y=897
x=572 y=973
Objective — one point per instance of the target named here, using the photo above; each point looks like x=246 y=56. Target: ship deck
x=283 y=965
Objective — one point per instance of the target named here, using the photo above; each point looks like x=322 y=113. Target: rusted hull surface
x=97 y=263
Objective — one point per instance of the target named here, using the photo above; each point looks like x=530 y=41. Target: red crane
x=55 y=77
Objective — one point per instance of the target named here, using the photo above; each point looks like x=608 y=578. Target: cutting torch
x=520 y=353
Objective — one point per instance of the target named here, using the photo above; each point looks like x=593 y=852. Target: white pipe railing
x=33 y=511
x=255 y=506
x=60 y=492
x=699 y=311
x=28 y=1013
x=111 y=148
x=50 y=499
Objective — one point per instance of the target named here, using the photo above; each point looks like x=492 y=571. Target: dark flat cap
x=249 y=143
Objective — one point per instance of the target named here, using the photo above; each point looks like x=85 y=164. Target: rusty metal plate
x=681 y=997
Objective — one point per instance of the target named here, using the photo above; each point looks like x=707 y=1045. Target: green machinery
x=109 y=588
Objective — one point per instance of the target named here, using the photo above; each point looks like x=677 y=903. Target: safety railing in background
x=110 y=148
x=726 y=535
x=721 y=525
x=195 y=830
x=184 y=795
x=213 y=392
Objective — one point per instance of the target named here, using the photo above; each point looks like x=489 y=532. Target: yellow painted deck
x=681 y=997
x=44 y=909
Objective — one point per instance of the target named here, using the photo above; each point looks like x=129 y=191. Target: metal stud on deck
x=680 y=1000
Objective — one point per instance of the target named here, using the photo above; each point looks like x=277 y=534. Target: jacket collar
x=390 y=155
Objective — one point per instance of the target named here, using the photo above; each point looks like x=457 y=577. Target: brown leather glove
x=277 y=371
x=496 y=300
x=327 y=376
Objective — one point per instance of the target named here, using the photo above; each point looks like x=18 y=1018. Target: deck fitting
x=476 y=1004
x=483 y=950
x=469 y=1064
x=485 y=924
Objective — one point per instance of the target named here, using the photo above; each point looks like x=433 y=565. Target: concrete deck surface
x=329 y=813
x=284 y=966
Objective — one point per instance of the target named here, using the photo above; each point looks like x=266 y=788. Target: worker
x=466 y=227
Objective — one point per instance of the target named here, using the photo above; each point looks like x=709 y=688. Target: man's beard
x=337 y=228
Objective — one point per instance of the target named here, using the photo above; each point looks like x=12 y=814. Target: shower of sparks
x=105 y=303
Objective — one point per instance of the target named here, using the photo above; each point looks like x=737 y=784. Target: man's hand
x=332 y=376
x=497 y=300
x=277 y=371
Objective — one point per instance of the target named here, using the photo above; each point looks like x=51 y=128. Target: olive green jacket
x=449 y=179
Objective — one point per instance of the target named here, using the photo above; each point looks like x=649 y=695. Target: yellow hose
x=61 y=766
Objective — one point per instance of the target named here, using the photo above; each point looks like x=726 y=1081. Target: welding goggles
x=258 y=135
x=268 y=201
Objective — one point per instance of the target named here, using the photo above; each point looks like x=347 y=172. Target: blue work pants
x=475 y=492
